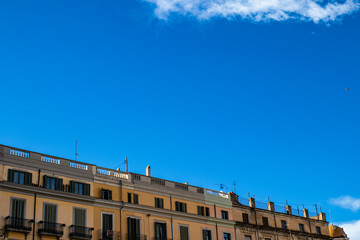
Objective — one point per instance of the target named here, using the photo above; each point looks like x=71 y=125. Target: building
x=337 y=232
x=47 y=197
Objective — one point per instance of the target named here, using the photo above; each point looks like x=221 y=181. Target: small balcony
x=107 y=234
x=83 y=233
x=51 y=229
x=18 y=225
x=130 y=236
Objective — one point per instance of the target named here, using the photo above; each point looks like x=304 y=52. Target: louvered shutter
x=72 y=186
x=10 y=175
x=87 y=189
x=59 y=184
x=45 y=181
x=28 y=178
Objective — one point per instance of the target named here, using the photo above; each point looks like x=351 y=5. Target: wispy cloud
x=346 y=202
x=258 y=10
x=352 y=229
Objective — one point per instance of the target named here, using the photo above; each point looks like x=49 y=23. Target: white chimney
x=148 y=171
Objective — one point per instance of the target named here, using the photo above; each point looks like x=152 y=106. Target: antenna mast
x=76 y=154
x=126 y=163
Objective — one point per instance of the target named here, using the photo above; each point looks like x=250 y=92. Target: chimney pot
x=148 y=171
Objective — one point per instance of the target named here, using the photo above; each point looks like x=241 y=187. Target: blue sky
x=202 y=96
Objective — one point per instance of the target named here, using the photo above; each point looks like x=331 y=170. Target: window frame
x=247 y=218
x=227 y=233
x=284 y=226
x=205 y=229
x=11 y=205
x=74 y=215
x=113 y=219
x=224 y=215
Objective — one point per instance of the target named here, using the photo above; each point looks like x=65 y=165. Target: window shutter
x=60 y=185
x=204 y=235
x=110 y=195
x=161 y=203
x=87 y=189
x=44 y=181
x=185 y=207
x=72 y=187
x=10 y=175
x=136 y=199
x=28 y=178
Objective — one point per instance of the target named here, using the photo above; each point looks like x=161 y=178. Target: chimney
x=148 y=171
x=322 y=216
x=288 y=209
x=271 y=206
x=251 y=202
x=306 y=213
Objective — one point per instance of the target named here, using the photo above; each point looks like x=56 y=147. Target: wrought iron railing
x=135 y=237
x=18 y=224
x=49 y=228
x=80 y=232
x=107 y=235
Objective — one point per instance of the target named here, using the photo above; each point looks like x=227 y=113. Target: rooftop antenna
x=330 y=216
x=126 y=163
x=76 y=154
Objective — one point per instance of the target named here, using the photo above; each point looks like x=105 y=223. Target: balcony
x=51 y=229
x=18 y=225
x=78 y=232
x=107 y=235
x=135 y=237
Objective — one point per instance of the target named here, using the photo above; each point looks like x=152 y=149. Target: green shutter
x=50 y=213
x=161 y=203
x=72 y=186
x=80 y=217
x=44 y=181
x=10 y=175
x=28 y=178
x=136 y=199
x=110 y=195
x=18 y=208
x=87 y=189
x=59 y=183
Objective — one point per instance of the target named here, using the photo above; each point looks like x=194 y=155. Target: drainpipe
x=34 y=215
x=121 y=208
x=217 y=235
x=172 y=224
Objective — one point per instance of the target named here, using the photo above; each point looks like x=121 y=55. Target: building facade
x=47 y=197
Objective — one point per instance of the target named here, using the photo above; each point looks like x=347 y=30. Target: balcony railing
x=80 y=232
x=18 y=224
x=107 y=235
x=135 y=237
x=51 y=229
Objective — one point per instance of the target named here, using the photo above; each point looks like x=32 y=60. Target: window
x=53 y=183
x=267 y=238
x=159 y=203
x=106 y=194
x=318 y=230
x=224 y=215
x=133 y=198
x=160 y=231
x=207 y=212
x=201 y=210
x=265 y=221
x=180 y=207
x=133 y=228
x=227 y=236
x=247 y=237
x=206 y=234
x=283 y=224
x=301 y=227
x=80 y=188
x=49 y=213
x=245 y=217
x=19 y=177
x=184 y=233
x=107 y=232
x=79 y=217
x=17 y=209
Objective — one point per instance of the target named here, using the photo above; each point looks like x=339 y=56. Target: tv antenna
x=126 y=163
x=76 y=154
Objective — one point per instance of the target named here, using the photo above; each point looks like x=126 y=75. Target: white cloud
x=258 y=10
x=346 y=202
x=352 y=229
